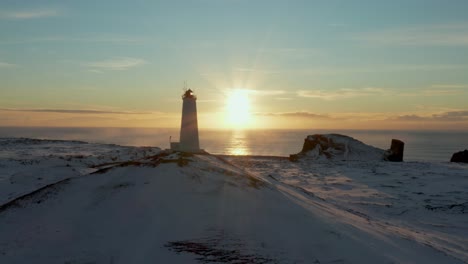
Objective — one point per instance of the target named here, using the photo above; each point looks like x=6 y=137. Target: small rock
x=461 y=156
x=395 y=153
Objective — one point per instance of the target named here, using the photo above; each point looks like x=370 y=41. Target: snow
x=111 y=204
x=418 y=201
x=28 y=164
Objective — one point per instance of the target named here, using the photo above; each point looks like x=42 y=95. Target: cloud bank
x=72 y=111
x=451 y=116
x=341 y=93
x=7 y=65
x=431 y=35
x=302 y=114
x=115 y=64
x=30 y=14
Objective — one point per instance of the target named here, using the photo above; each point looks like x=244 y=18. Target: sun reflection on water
x=238 y=144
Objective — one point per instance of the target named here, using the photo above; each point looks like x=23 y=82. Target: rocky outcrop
x=461 y=156
x=395 y=153
x=338 y=147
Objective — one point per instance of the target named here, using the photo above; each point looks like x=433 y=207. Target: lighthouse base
x=176 y=146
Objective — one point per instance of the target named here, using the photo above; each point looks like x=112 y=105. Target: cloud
x=101 y=38
x=255 y=92
x=376 y=69
x=451 y=116
x=116 y=64
x=118 y=39
x=337 y=25
x=435 y=90
x=429 y=35
x=252 y=70
x=448 y=116
x=293 y=51
x=302 y=114
x=72 y=111
x=450 y=86
x=375 y=91
x=30 y=14
x=341 y=93
x=95 y=71
x=266 y=92
x=408 y=118
x=416 y=67
x=441 y=91
x=7 y=65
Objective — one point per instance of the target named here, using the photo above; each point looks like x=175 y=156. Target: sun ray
x=238 y=109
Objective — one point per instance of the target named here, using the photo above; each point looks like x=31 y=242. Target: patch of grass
x=212 y=250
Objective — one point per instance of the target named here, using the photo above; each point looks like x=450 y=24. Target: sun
x=238 y=108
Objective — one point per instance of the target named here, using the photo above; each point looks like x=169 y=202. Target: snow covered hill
x=28 y=164
x=112 y=204
x=424 y=202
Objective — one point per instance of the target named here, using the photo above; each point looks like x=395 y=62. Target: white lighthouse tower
x=189 y=126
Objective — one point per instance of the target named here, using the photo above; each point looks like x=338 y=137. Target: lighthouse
x=189 y=126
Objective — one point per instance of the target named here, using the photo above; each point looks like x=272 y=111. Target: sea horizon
x=420 y=145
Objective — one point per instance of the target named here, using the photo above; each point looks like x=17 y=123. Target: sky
x=369 y=64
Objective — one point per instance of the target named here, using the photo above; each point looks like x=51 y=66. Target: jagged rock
x=338 y=147
x=395 y=153
x=461 y=156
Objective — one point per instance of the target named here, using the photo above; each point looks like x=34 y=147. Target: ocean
x=419 y=145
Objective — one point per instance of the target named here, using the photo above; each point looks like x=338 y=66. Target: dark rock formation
x=294 y=157
x=461 y=156
x=336 y=147
x=395 y=153
x=321 y=141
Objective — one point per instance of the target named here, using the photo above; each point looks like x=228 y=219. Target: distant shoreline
x=250 y=156
x=419 y=145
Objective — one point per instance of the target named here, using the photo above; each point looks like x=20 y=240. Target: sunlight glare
x=238 y=144
x=238 y=108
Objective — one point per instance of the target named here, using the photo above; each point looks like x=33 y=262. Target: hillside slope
x=171 y=208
